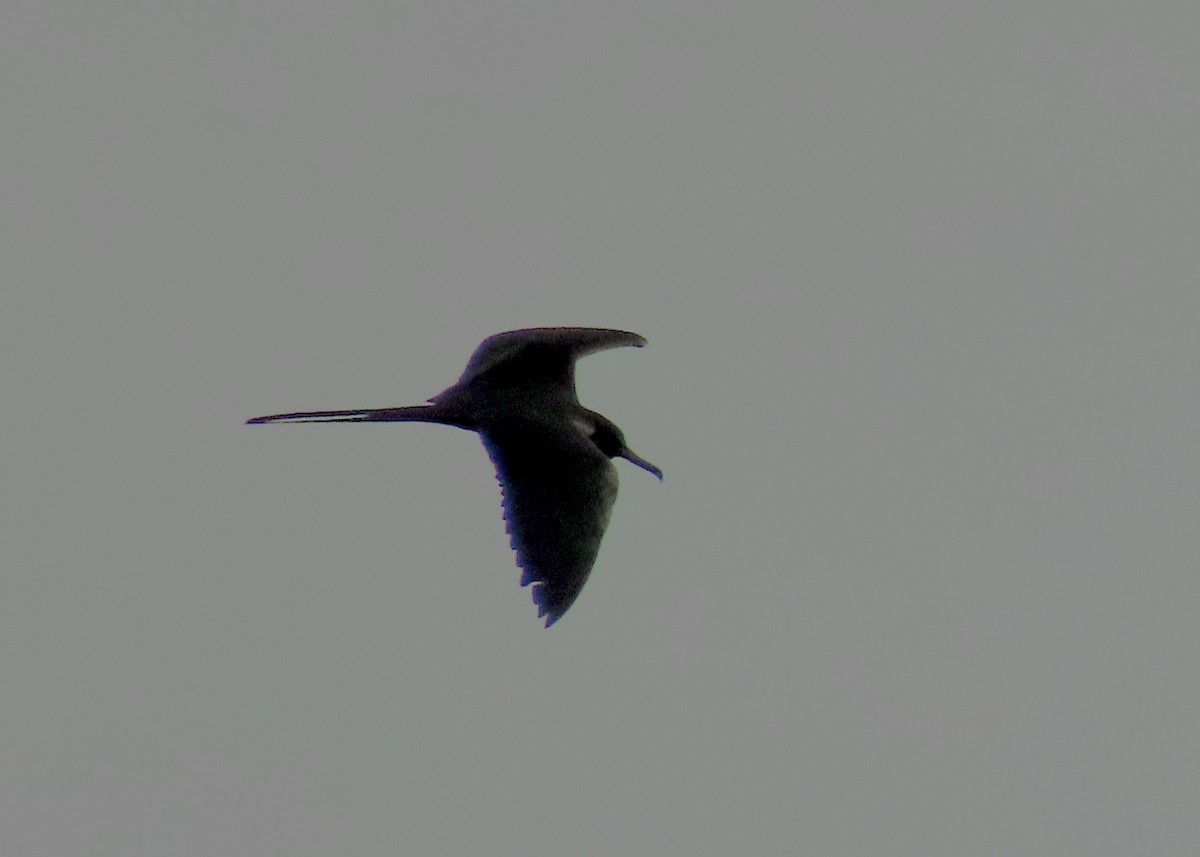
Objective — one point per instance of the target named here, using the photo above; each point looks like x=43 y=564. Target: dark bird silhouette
x=551 y=453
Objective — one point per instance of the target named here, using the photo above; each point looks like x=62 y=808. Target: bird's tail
x=407 y=414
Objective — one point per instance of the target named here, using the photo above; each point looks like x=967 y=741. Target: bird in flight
x=551 y=453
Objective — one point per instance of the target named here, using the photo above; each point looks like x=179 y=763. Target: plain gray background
x=921 y=288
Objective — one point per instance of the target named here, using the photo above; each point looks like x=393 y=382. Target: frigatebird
x=551 y=454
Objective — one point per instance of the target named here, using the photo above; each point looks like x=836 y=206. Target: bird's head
x=611 y=441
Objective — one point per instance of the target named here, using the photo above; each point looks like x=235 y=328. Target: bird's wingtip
x=541 y=598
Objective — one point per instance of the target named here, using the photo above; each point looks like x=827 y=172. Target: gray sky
x=921 y=290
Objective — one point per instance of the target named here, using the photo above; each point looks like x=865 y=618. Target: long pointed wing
x=558 y=495
x=545 y=354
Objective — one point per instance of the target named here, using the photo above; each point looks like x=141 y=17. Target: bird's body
x=552 y=455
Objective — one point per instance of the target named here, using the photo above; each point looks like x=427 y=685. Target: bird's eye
x=608 y=441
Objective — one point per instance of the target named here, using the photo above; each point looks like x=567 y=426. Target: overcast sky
x=921 y=284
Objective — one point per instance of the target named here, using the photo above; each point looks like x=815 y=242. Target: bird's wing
x=558 y=491
x=546 y=354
